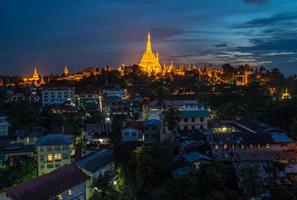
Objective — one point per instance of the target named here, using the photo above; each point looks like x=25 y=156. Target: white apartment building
x=57 y=95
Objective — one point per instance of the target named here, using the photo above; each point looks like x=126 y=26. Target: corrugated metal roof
x=55 y=139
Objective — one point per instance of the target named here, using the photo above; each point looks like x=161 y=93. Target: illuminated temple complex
x=150 y=62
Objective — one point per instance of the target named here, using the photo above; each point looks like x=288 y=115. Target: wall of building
x=52 y=157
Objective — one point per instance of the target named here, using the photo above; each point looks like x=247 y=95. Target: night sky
x=82 y=33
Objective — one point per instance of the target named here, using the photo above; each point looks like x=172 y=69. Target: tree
x=251 y=182
x=170 y=118
x=104 y=190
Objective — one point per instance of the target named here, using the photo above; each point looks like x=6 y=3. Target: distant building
x=54 y=151
x=114 y=105
x=193 y=119
x=3 y=126
x=57 y=95
x=114 y=90
x=132 y=131
x=90 y=101
x=28 y=137
x=66 y=183
x=152 y=130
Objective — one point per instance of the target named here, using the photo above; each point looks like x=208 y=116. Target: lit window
x=49 y=157
x=58 y=156
x=267 y=146
x=216 y=147
x=225 y=146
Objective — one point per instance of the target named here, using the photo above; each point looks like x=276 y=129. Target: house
x=152 y=130
x=132 y=131
x=28 y=137
x=3 y=126
x=15 y=152
x=97 y=164
x=54 y=151
x=57 y=95
x=65 y=183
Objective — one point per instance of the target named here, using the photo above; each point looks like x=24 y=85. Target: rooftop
x=95 y=161
x=195 y=113
x=134 y=124
x=55 y=139
x=49 y=185
x=152 y=122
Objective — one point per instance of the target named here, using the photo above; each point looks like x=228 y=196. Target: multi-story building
x=3 y=126
x=90 y=101
x=192 y=119
x=114 y=90
x=54 y=151
x=66 y=183
x=57 y=95
x=132 y=131
x=115 y=105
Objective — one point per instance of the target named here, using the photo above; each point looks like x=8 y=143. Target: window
x=57 y=165
x=185 y=119
x=57 y=156
x=201 y=119
x=216 y=147
x=193 y=127
x=49 y=166
x=133 y=134
x=41 y=149
x=65 y=147
x=49 y=158
x=193 y=119
x=65 y=156
x=267 y=146
x=49 y=148
x=41 y=157
x=41 y=166
x=57 y=148
x=225 y=147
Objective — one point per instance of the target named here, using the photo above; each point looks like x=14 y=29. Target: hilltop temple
x=150 y=62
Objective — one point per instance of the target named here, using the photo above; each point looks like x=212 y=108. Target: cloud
x=255 y=1
x=221 y=45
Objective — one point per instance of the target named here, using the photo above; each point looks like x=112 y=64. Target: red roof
x=138 y=125
x=48 y=185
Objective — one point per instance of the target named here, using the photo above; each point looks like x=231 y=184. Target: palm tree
x=251 y=182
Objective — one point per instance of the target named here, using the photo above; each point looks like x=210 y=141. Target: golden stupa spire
x=148 y=43
x=66 y=70
x=35 y=74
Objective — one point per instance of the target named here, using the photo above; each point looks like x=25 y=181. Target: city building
x=150 y=61
x=132 y=131
x=114 y=90
x=15 y=152
x=95 y=165
x=65 y=183
x=3 y=126
x=90 y=101
x=193 y=119
x=114 y=105
x=53 y=151
x=57 y=95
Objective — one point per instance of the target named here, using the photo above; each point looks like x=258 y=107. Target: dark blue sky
x=81 y=33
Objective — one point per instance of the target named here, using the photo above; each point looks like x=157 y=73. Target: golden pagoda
x=66 y=71
x=150 y=62
x=35 y=76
